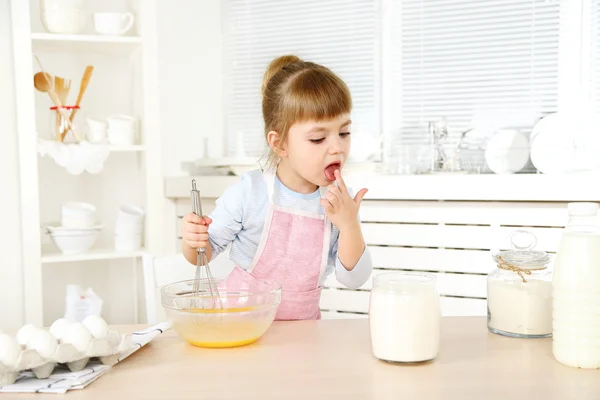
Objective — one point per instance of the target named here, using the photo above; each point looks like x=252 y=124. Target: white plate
x=56 y=227
x=566 y=143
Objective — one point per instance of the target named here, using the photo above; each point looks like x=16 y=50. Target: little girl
x=279 y=222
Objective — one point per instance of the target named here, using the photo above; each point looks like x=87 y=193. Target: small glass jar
x=405 y=317
x=519 y=290
x=60 y=119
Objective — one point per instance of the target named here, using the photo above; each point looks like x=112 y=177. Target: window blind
x=343 y=35
x=483 y=64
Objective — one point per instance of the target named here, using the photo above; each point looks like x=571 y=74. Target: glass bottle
x=576 y=290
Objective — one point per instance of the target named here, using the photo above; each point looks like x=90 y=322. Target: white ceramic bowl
x=74 y=243
x=78 y=215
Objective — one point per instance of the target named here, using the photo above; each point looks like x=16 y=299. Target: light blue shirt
x=239 y=217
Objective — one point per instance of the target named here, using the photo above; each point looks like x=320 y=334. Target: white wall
x=191 y=82
x=11 y=284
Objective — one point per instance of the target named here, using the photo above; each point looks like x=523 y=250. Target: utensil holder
x=60 y=120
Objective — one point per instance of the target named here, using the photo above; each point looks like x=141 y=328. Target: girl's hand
x=194 y=230
x=341 y=209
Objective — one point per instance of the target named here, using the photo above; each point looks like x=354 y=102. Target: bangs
x=314 y=94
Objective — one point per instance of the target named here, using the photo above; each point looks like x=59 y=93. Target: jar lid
x=522 y=255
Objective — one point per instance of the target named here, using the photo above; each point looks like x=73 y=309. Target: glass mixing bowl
x=242 y=316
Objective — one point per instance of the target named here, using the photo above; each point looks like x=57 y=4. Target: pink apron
x=292 y=253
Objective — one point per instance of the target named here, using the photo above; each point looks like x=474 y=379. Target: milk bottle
x=576 y=290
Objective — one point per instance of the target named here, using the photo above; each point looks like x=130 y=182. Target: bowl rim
x=274 y=289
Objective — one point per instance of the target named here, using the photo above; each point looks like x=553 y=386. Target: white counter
x=484 y=187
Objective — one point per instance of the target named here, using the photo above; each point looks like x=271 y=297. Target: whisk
x=202 y=263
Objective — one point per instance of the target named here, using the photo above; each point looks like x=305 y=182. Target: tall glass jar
x=519 y=290
x=405 y=317
x=576 y=288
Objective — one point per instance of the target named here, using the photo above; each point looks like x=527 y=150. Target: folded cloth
x=61 y=380
x=75 y=157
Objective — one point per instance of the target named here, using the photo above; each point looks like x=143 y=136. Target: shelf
x=51 y=42
x=93 y=255
x=484 y=187
x=122 y=149
x=44 y=143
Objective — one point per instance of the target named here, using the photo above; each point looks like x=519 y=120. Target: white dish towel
x=63 y=380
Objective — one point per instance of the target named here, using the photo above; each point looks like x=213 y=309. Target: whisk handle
x=196 y=206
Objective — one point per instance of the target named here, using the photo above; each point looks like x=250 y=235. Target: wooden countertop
x=332 y=359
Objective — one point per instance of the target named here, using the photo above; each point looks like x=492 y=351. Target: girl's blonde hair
x=295 y=91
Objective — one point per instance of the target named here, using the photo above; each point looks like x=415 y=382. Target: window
x=483 y=64
x=340 y=34
x=480 y=64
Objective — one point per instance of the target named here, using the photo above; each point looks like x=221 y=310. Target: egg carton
x=107 y=350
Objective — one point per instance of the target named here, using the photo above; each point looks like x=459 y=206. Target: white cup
x=113 y=23
x=128 y=242
x=129 y=221
x=122 y=130
x=96 y=130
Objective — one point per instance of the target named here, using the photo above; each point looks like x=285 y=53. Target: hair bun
x=277 y=65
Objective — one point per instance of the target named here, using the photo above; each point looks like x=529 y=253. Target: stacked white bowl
x=78 y=230
x=129 y=228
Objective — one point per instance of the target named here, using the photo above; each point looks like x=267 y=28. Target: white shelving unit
x=53 y=256
x=124 y=81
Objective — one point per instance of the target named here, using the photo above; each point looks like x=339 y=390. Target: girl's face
x=315 y=149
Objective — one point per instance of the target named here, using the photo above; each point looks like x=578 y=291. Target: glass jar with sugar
x=519 y=290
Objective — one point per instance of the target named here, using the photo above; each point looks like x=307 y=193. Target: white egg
x=25 y=333
x=43 y=342
x=57 y=329
x=9 y=350
x=97 y=326
x=77 y=335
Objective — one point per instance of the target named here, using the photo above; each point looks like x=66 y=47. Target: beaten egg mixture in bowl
x=239 y=316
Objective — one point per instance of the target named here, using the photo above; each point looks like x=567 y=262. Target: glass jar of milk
x=519 y=290
x=576 y=289
x=404 y=317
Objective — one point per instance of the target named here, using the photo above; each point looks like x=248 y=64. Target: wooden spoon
x=82 y=87
x=42 y=82
x=59 y=88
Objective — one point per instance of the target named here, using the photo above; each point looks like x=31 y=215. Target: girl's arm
x=352 y=274
x=351 y=245
x=224 y=224
x=353 y=259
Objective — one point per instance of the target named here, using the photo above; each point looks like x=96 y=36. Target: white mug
x=130 y=220
x=96 y=130
x=113 y=23
x=122 y=130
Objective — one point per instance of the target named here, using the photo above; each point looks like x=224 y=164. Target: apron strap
x=269 y=176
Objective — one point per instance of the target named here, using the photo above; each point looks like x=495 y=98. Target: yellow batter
x=217 y=310
x=222 y=345
x=244 y=329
